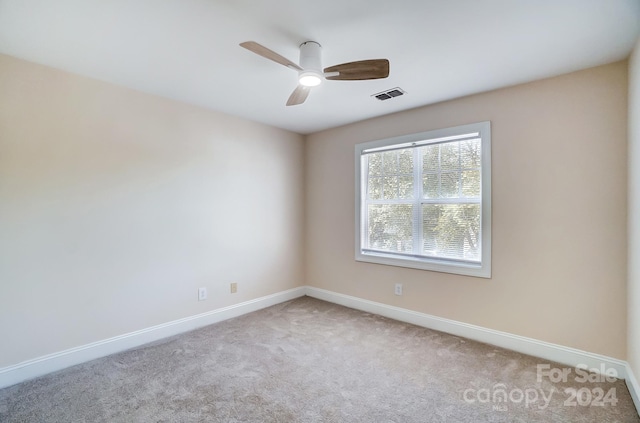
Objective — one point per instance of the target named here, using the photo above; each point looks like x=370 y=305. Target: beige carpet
x=311 y=361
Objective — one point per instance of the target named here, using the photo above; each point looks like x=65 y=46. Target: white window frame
x=481 y=269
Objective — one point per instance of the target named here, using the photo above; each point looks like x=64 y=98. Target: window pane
x=451 y=231
x=406 y=161
x=471 y=183
x=390 y=227
x=430 y=159
x=470 y=154
x=375 y=188
x=405 y=186
x=449 y=185
x=375 y=164
x=390 y=162
x=449 y=157
x=430 y=185
x=390 y=187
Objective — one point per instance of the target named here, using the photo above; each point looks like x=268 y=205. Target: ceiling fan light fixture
x=309 y=79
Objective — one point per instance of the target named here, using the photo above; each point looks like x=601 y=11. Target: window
x=424 y=200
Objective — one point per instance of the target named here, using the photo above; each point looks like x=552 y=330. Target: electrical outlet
x=398 y=289
x=202 y=294
x=234 y=287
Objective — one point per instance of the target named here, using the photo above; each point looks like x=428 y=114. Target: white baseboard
x=634 y=388
x=545 y=350
x=63 y=359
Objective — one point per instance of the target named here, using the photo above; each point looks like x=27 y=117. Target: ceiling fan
x=310 y=72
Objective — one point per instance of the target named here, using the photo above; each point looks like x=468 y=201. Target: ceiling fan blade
x=269 y=54
x=299 y=95
x=357 y=71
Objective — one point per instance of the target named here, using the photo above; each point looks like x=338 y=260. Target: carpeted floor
x=311 y=361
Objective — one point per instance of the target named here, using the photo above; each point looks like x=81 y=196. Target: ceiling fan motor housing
x=310 y=61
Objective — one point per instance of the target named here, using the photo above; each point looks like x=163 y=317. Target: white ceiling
x=188 y=50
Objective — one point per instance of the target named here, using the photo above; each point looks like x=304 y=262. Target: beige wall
x=559 y=213
x=633 y=354
x=115 y=206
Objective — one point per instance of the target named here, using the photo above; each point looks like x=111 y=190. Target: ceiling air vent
x=386 y=95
